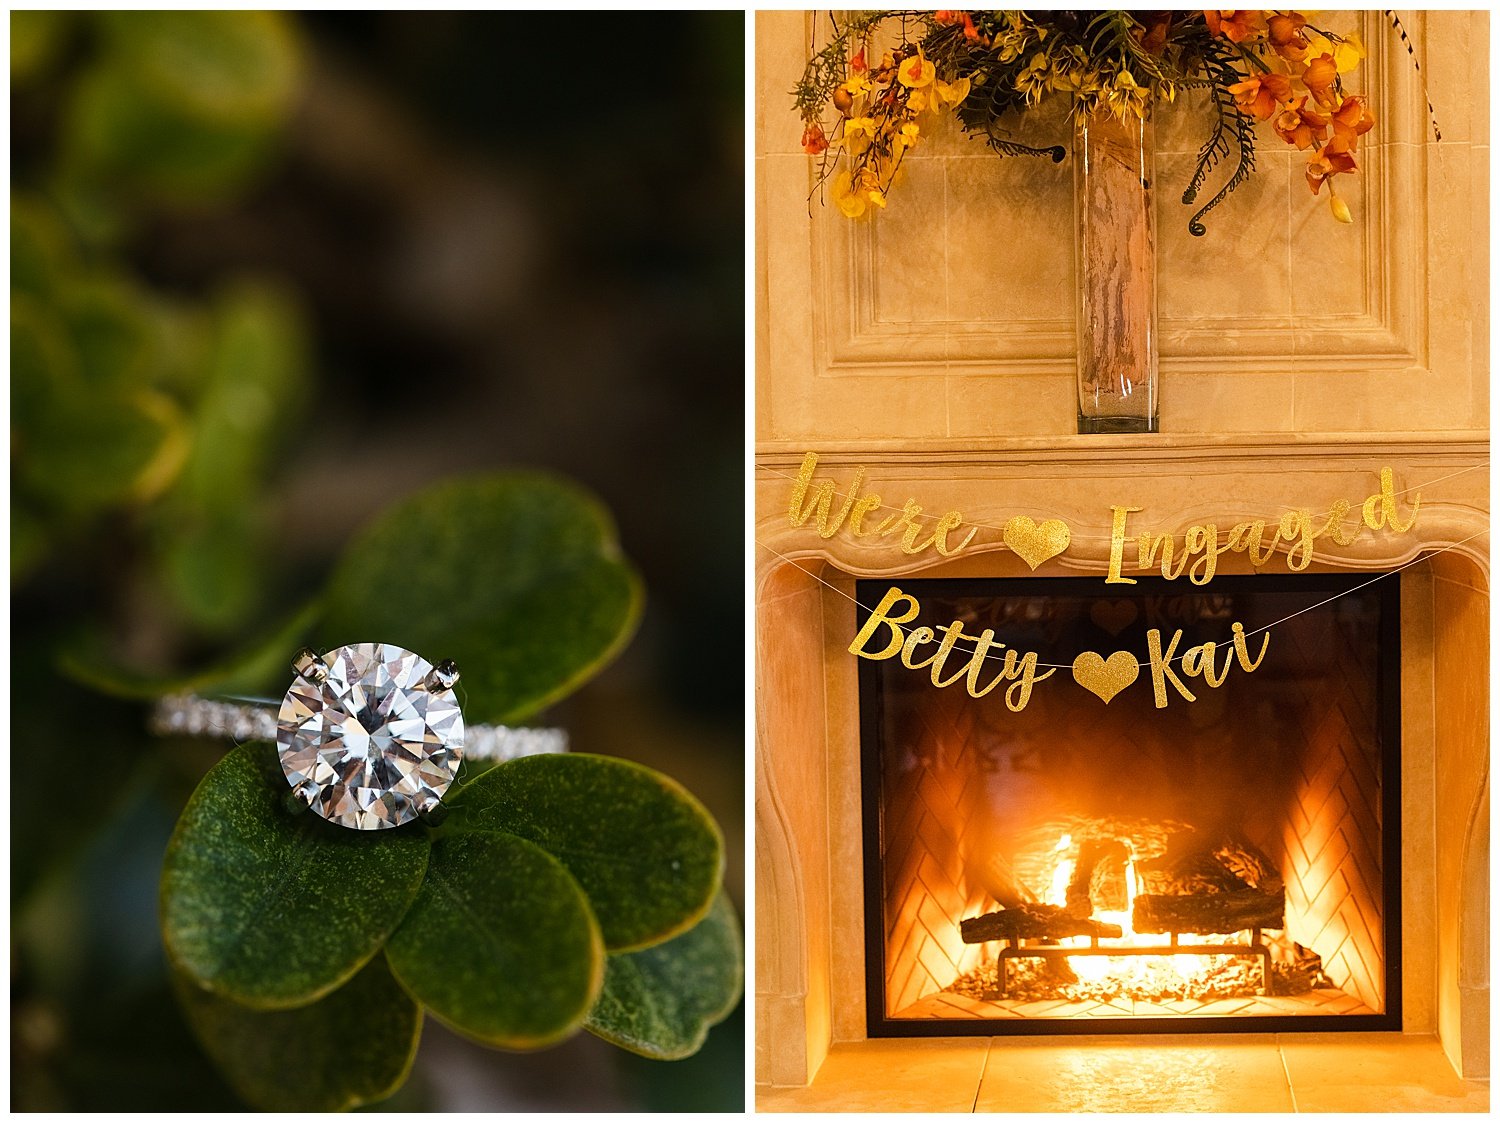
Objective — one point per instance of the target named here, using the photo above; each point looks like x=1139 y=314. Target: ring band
x=255 y=720
x=369 y=735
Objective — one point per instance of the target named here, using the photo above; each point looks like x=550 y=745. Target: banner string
x=1108 y=537
x=1426 y=556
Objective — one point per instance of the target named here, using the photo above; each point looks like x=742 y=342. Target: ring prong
x=309 y=666
x=444 y=676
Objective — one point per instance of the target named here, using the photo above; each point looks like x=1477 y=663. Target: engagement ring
x=369 y=735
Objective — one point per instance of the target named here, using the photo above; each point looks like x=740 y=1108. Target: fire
x=1133 y=969
x=1063 y=873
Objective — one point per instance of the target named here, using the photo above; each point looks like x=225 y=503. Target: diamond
x=374 y=744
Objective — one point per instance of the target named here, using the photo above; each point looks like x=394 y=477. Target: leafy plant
x=156 y=397
x=990 y=68
x=128 y=401
x=557 y=893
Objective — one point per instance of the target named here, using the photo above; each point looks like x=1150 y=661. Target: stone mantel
x=1178 y=480
x=1125 y=448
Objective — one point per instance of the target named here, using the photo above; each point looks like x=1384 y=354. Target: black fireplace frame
x=1385 y=585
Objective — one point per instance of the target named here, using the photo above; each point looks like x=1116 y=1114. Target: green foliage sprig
x=554 y=894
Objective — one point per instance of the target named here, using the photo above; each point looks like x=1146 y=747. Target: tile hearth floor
x=1325 y=1000
x=1294 y=1072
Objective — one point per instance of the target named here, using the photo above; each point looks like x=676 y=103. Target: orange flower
x=1234 y=26
x=1319 y=77
x=945 y=17
x=916 y=72
x=1352 y=120
x=1258 y=96
x=1296 y=124
x=970 y=31
x=857 y=62
x=1284 y=30
x=1327 y=162
x=813 y=140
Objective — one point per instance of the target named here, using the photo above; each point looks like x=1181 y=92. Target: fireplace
x=814 y=991
x=1232 y=863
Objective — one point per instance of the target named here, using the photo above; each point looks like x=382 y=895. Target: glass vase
x=1113 y=178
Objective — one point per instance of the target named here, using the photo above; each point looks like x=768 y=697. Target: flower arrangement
x=862 y=113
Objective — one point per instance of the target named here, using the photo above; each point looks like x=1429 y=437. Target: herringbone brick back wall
x=1331 y=837
x=927 y=835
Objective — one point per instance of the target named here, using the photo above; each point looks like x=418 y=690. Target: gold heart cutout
x=1035 y=544
x=1106 y=677
x=1114 y=616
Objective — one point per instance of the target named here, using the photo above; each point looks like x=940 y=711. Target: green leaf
x=256 y=366
x=179 y=105
x=211 y=532
x=271 y=907
x=220 y=66
x=36 y=39
x=92 y=450
x=118 y=132
x=43 y=366
x=661 y=1002
x=212 y=565
x=79 y=447
x=112 y=328
x=517 y=577
x=42 y=252
x=647 y=854
x=353 y=1047
x=500 y=943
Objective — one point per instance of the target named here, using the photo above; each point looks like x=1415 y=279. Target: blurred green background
x=269 y=274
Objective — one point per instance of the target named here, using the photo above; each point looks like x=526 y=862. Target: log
x=1208 y=914
x=1096 y=859
x=1249 y=865
x=1032 y=922
x=1187 y=873
x=1191 y=867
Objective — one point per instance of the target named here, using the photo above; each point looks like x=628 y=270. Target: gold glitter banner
x=1195 y=551
x=984 y=663
x=882 y=637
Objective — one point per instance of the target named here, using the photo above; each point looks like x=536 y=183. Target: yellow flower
x=1010 y=45
x=1032 y=81
x=1126 y=96
x=1346 y=55
x=906 y=137
x=1339 y=207
x=876 y=197
x=848 y=200
x=859 y=132
x=916 y=72
x=858 y=83
x=953 y=92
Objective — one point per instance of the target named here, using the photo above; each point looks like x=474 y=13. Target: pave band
x=190 y=715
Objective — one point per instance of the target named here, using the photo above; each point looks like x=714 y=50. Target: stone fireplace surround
x=809 y=979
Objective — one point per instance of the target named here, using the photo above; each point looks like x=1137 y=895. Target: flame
x=1063 y=872
x=1127 y=969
